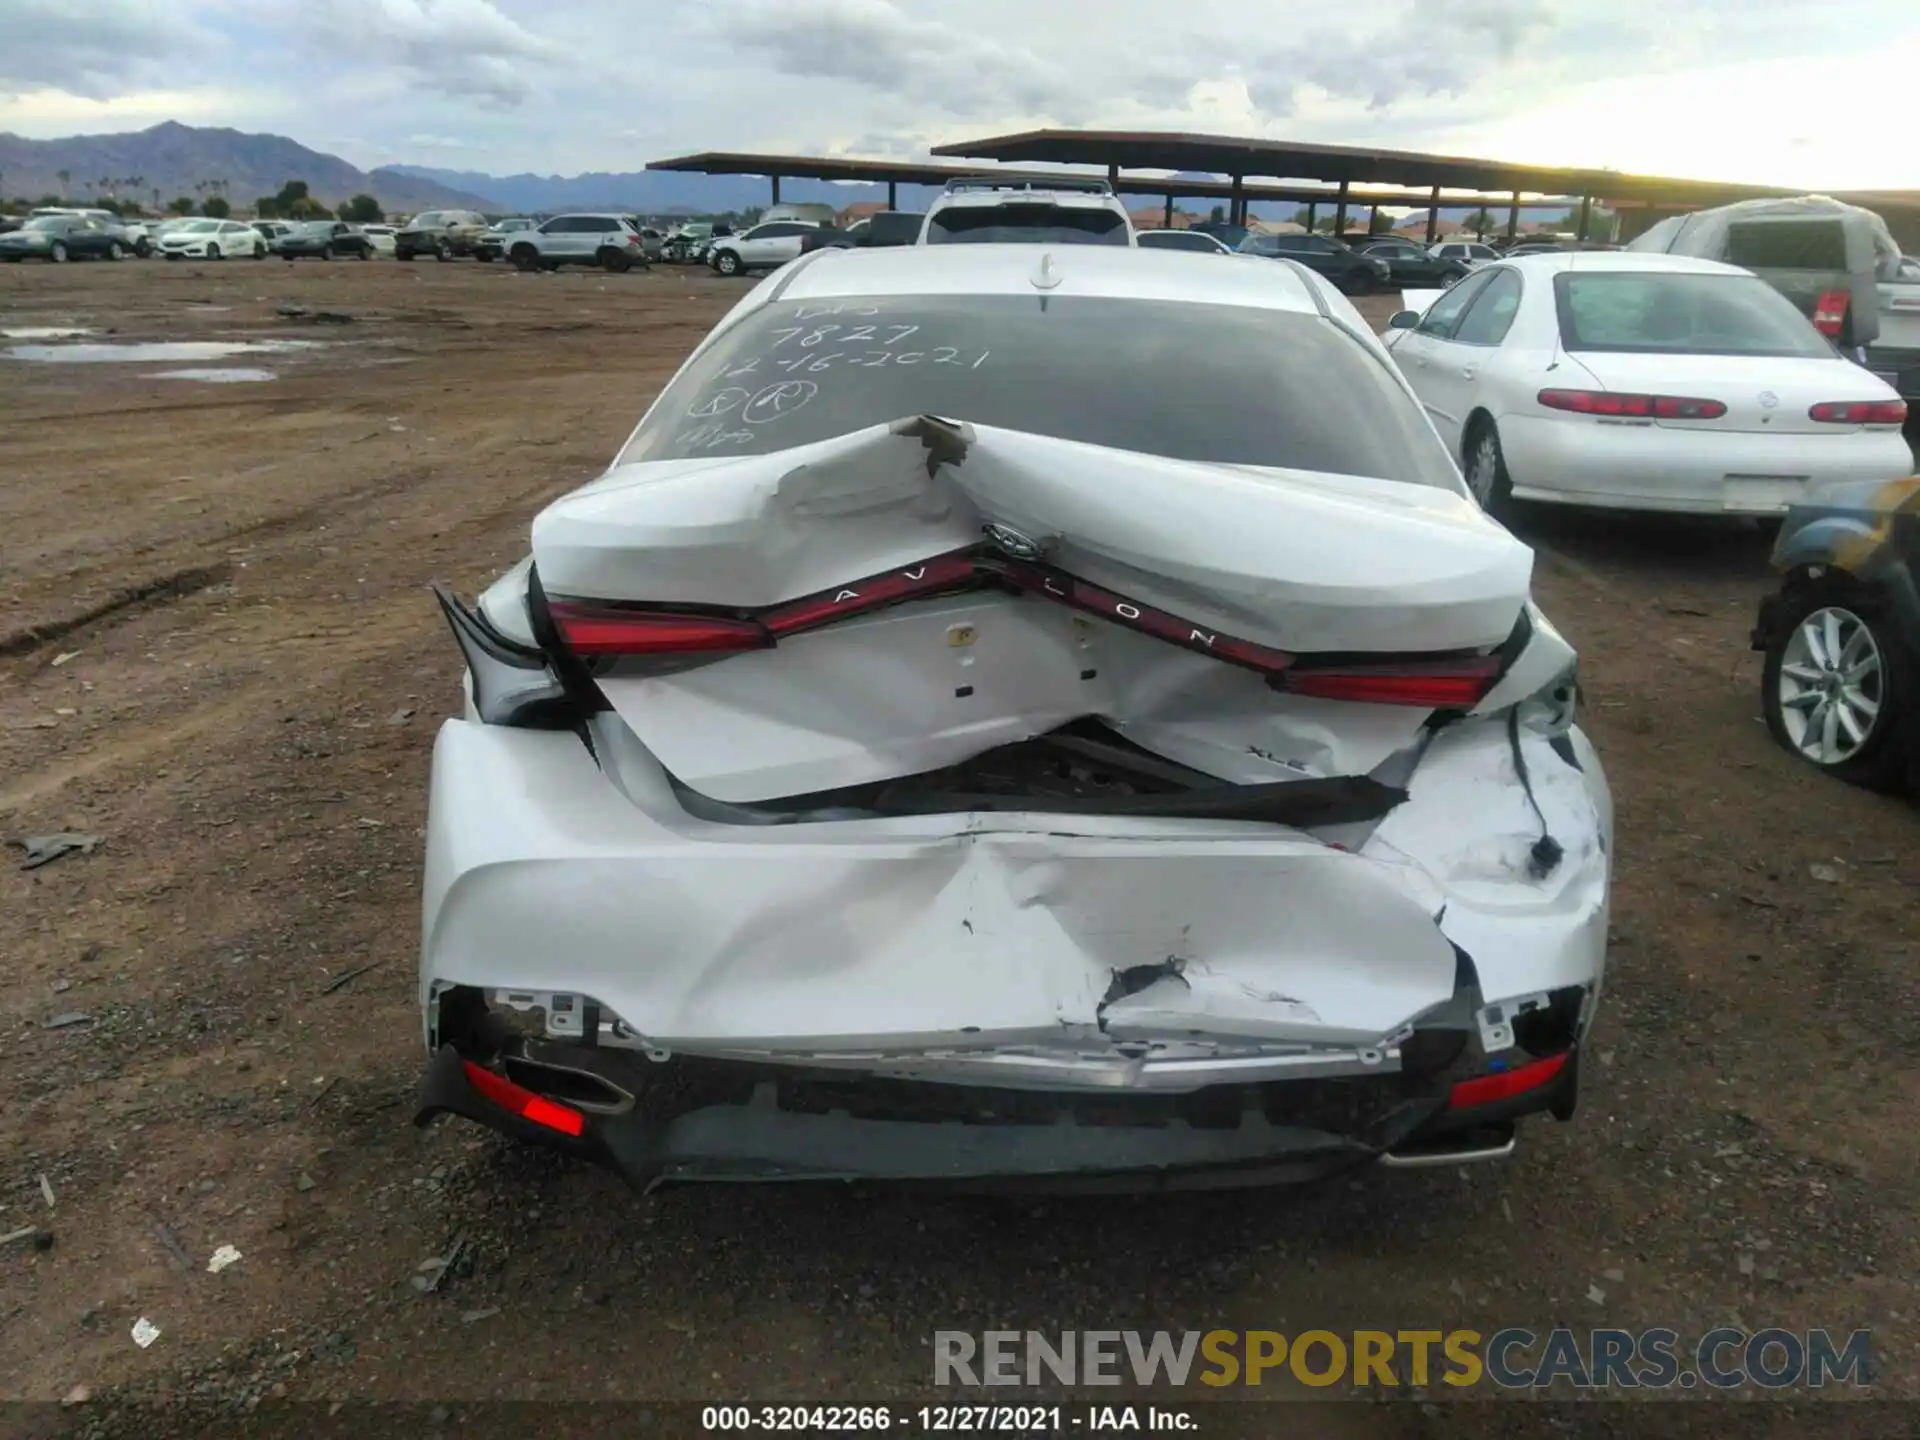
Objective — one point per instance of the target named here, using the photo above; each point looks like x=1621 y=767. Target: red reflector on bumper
x=1485 y=1089
x=523 y=1102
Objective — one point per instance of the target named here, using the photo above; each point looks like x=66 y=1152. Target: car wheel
x=213 y=253
x=441 y=252
x=57 y=253
x=142 y=249
x=326 y=253
x=1486 y=468
x=614 y=262
x=1356 y=282
x=1836 y=690
x=485 y=257
x=365 y=252
x=525 y=257
x=727 y=263
x=409 y=256
x=116 y=251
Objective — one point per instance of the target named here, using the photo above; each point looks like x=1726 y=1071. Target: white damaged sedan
x=1016 y=715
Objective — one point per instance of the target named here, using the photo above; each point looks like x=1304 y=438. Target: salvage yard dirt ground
x=220 y=656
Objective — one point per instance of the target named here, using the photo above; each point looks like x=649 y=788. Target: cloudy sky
x=1783 y=91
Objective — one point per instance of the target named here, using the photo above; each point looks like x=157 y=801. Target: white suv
x=985 y=211
x=610 y=241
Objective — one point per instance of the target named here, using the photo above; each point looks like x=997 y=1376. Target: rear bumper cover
x=759 y=1140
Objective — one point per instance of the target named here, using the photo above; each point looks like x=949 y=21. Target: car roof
x=1114 y=271
x=993 y=199
x=1598 y=261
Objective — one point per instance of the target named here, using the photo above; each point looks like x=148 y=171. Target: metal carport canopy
x=1335 y=164
x=889 y=172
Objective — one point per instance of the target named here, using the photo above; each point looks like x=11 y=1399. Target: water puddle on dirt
x=41 y=332
x=177 y=351
x=228 y=375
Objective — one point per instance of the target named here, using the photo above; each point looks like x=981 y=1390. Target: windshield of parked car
x=1655 y=313
x=1179 y=240
x=1224 y=383
x=48 y=222
x=1026 y=224
x=197 y=227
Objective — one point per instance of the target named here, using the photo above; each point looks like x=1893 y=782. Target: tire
x=116 y=251
x=57 y=253
x=1799 y=688
x=1484 y=464
x=485 y=257
x=213 y=252
x=526 y=258
x=365 y=252
x=409 y=257
x=727 y=262
x=441 y=252
x=142 y=249
x=614 y=262
x=327 y=253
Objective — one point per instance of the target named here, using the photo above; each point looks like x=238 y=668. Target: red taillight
x=1449 y=685
x=598 y=630
x=1486 y=1089
x=524 y=1103
x=1860 y=412
x=1636 y=407
x=1830 y=312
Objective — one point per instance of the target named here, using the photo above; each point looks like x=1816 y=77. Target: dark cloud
x=467 y=49
x=95 y=48
x=1432 y=47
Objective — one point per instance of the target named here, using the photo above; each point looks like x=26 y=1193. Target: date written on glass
x=816 y=362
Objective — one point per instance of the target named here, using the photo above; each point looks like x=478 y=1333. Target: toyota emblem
x=1009 y=541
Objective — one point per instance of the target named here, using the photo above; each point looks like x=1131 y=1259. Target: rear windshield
x=1022 y=224
x=1654 y=313
x=1787 y=244
x=1220 y=383
x=897 y=227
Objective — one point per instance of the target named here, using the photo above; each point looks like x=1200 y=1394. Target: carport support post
x=893 y=195
x=1433 y=215
x=1586 y=214
x=1313 y=210
x=1166 y=222
x=776 y=189
x=1340 y=213
x=1237 y=204
x=1513 y=216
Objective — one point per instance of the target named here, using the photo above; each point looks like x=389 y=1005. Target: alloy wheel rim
x=1832 y=685
x=1481 y=472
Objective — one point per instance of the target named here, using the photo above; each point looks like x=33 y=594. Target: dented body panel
x=959 y=760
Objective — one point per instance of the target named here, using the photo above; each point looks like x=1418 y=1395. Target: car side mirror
x=1403 y=320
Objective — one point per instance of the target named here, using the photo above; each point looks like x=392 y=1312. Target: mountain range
x=173 y=159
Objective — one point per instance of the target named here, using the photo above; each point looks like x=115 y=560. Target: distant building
x=860 y=210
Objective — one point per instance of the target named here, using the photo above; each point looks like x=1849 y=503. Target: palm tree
x=65 y=177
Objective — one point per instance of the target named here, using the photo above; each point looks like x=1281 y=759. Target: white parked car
x=381 y=236
x=1642 y=382
x=989 y=210
x=1197 y=241
x=1163 y=739
x=213 y=240
x=764 y=247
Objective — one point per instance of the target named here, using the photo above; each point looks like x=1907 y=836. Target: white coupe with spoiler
x=1017 y=714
